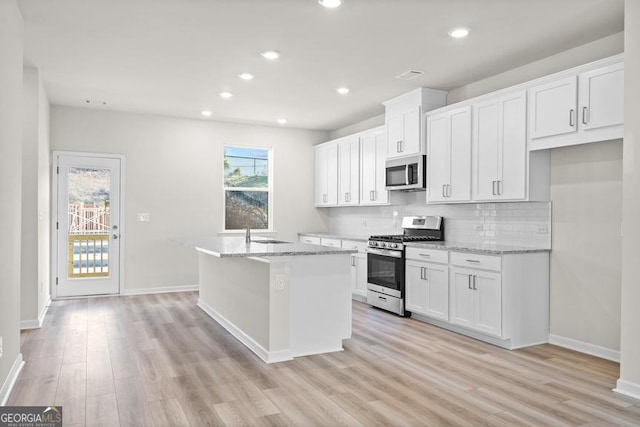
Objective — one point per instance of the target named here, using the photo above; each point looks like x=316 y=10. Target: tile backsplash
x=517 y=224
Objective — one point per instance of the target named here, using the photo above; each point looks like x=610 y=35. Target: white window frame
x=268 y=190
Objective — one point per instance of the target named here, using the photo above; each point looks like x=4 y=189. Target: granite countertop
x=335 y=236
x=478 y=248
x=223 y=247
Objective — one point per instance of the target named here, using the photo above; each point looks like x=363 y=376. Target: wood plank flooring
x=158 y=360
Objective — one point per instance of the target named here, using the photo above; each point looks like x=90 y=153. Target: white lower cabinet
x=476 y=300
x=427 y=289
x=501 y=299
x=358 y=269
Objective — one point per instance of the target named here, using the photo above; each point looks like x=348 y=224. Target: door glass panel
x=89 y=222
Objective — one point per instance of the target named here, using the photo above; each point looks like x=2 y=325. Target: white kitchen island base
x=279 y=307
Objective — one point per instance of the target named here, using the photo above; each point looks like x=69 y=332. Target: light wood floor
x=159 y=360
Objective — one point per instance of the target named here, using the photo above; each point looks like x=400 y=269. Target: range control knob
x=382 y=245
x=372 y=243
x=393 y=245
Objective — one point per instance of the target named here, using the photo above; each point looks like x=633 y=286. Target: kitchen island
x=282 y=300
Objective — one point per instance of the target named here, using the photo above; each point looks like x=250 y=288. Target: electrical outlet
x=542 y=229
x=478 y=227
x=144 y=217
x=280 y=282
x=0 y=346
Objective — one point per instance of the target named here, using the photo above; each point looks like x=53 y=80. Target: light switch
x=144 y=217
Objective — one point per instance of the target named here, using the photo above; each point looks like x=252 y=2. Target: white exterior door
x=87 y=229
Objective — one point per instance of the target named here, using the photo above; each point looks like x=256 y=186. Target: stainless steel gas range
x=386 y=258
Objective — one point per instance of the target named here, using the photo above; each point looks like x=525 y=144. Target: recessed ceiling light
x=330 y=3
x=271 y=54
x=246 y=76
x=343 y=90
x=458 y=33
x=282 y=121
x=226 y=95
x=206 y=113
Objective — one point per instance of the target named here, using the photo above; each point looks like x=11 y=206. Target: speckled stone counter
x=335 y=236
x=223 y=247
x=478 y=248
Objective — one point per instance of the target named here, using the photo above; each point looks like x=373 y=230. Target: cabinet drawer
x=353 y=244
x=431 y=255
x=471 y=260
x=312 y=240
x=334 y=243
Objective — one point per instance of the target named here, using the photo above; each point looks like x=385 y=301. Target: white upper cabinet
x=403 y=117
x=579 y=108
x=349 y=171
x=500 y=148
x=449 y=156
x=373 y=153
x=327 y=174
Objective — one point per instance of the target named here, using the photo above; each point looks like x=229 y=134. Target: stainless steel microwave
x=406 y=173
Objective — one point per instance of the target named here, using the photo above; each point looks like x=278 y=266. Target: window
x=248 y=188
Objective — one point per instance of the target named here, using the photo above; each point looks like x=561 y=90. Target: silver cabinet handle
x=448 y=190
x=493 y=187
x=371 y=195
x=399 y=146
x=571 y=117
x=585 y=120
x=469 y=285
x=443 y=190
x=406 y=175
x=473 y=260
x=499 y=187
x=375 y=195
x=475 y=278
x=421 y=273
x=353 y=261
x=425 y=255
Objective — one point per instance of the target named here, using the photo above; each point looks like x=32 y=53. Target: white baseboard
x=36 y=324
x=627 y=388
x=253 y=345
x=162 y=290
x=585 y=347
x=10 y=382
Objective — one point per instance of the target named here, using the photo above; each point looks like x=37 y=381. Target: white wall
x=35 y=200
x=11 y=43
x=174 y=173
x=586 y=193
x=629 y=381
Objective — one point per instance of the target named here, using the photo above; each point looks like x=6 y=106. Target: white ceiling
x=173 y=57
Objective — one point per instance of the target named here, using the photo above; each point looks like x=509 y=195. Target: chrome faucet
x=247 y=237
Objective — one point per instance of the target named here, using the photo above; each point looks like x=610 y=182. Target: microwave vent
x=409 y=75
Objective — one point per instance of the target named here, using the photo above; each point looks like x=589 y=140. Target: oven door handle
x=384 y=252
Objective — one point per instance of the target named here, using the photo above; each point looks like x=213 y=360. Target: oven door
x=385 y=271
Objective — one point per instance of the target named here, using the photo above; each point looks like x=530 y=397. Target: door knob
x=115 y=237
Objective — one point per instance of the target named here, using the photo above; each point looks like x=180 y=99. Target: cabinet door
x=416 y=287
x=349 y=175
x=488 y=289
x=486 y=134
x=438 y=157
x=512 y=169
x=321 y=176
x=602 y=97
x=332 y=175
x=460 y=156
x=395 y=135
x=437 y=298
x=361 y=271
x=373 y=152
x=552 y=108
x=411 y=129
x=463 y=298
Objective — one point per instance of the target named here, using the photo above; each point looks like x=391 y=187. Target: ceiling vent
x=409 y=75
